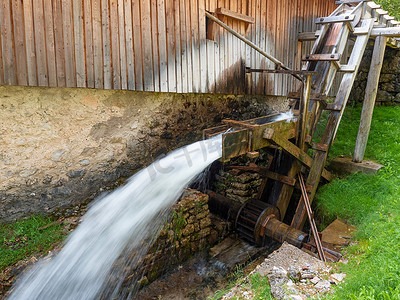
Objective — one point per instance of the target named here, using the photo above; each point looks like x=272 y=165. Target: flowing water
x=116 y=224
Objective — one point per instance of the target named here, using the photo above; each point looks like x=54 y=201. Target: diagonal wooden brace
x=293 y=150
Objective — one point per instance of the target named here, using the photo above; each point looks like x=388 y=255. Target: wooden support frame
x=293 y=150
x=388 y=32
x=370 y=97
x=333 y=122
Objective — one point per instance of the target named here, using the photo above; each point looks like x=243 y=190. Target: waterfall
x=120 y=221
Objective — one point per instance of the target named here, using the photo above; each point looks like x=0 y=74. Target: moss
x=178 y=222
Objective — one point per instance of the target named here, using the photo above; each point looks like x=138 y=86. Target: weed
x=26 y=237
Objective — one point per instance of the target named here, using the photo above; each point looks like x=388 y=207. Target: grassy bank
x=24 y=238
x=372 y=203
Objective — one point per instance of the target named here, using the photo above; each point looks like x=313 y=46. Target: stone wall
x=60 y=147
x=389 y=81
x=191 y=229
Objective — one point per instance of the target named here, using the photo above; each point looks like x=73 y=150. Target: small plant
x=24 y=238
x=178 y=223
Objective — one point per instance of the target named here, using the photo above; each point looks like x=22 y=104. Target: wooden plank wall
x=150 y=45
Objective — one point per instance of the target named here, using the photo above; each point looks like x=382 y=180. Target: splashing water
x=288 y=116
x=119 y=221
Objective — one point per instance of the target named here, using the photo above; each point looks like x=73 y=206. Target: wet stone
x=76 y=173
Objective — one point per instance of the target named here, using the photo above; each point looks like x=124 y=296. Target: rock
x=315 y=280
x=294 y=273
x=189 y=229
x=27 y=173
x=76 y=173
x=295 y=297
x=323 y=285
x=84 y=162
x=205 y=223
x=338 y=277
x=247 y=177
x=290 y=283
x=383 y=96
x=58 y=155
x=307 y=274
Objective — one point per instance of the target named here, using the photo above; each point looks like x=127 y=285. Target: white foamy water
x=285 y=116
x=121 y=220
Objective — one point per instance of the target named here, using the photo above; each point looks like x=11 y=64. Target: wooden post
x=369 y=99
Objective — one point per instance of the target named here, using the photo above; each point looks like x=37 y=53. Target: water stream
x=116 y=224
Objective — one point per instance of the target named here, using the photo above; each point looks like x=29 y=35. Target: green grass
x=24 y=238
x=372 y=203
x=260 y=287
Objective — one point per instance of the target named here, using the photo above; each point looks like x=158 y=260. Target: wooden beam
x=250 y=43
x=234 y=15
x=350 y=1
x=295 y=151
x=370 y=97
x=306 y=36
x=321 y=57
x=388 y=32
x=335 y=19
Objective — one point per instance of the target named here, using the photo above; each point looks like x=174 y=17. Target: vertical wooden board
x=210 y=67
x=29 y=42
x=263 y=12
x=222 y=37
x=147 y=52
x=7 y=44
x=246 y=6
x=253 y=52
x=137 y=40
x=59 y=43
x=235 y=51
x=203 y=46
x=1 y=52
x=278 y=45
x=50 y=43
x=97 y=45
x=40 y=42
x=229 y=53
x=80 y=62
x=105 y=27
x=194 y=19
x=154 y=34
x=258 y=76
x=217 y=68
x=122 y=44
x=178 y=53
x=114 y=37
x=19 y=36
x=130 y=61
x=270 y=46
x=243 y=10
x=183 y=41
x=285 y=43
x=171 y=51
x=188 y=46
x=215 y=56
x=162 y=46
x=68 y=44
x=88 y=30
